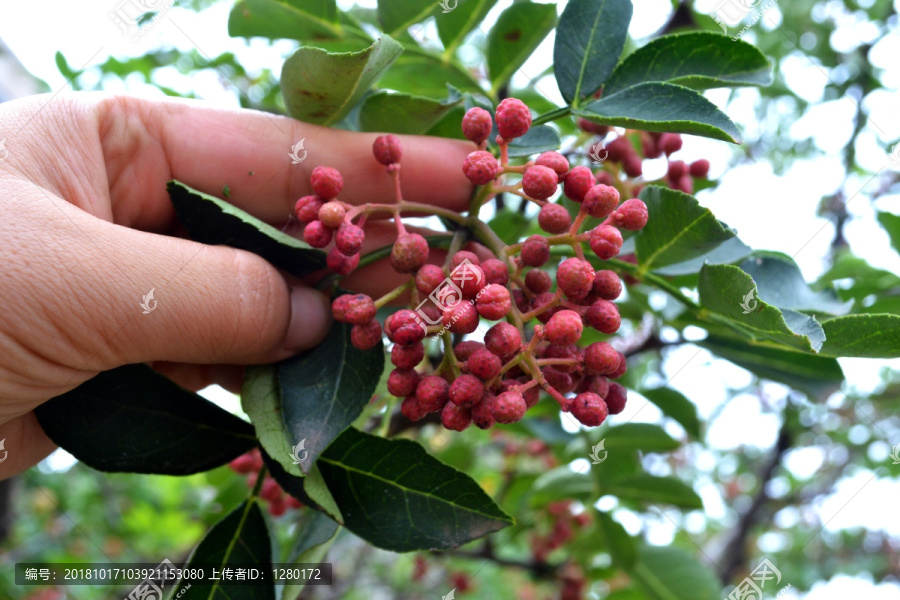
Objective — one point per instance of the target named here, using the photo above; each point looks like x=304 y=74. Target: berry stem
x=541 y=362
x=552 y=115
x=504 y=152
x=449 y=360
x=394 y=293
x=394 y=170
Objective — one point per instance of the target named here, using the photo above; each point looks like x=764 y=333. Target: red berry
x=410 y=252
x=432 y=393
x=270 y=490
x=677 y=168
x=407 y=357
x=596 y=384
x=568 y=352
x=591 y=127
x=604 y=317
x=670 y=143
x=575 y=277
x=578 y=182
x=307 y=208
x=466 y=391
x=603 y=177
x=564 y=327
x=503 y=339
x=538 y=281
x=600 y=201
x=633 y=166
x=469 y=278
x=555 y=161
x=632 y=215
x=317 y=235
x=649 y=147
x=339 y=308
x=484 y=364
x=620 y=370
x=483 y=413
x=535 y=251
x=606 y=241
x=402 y=382
x=293 y=502
x=243 y=464
x=521 y=300
x=531 y=395
x=513 y=118
x=493 y=302
x=546 y=305
x=684 y=184
x=589 y=409
x=349 y=239
x=411 y=409
x=607 y=284
x=464 y=350
x=699 y=168
x=428 y=277
x=340 y=263
x=404 y=327
x=332 y=215
x=278 y=508
x=476 y=125
x=509 y=407
x=366 y=336
x=600 y=358
x=540 y=182
x=461 y=318
x=455 y=417
x=619 y=149
x=615 y=399
x=554 y=218
x=495 y=271
x=464 y=256
x=480 y=167
x=359 y=309
x=326 y=182
x=387 y=149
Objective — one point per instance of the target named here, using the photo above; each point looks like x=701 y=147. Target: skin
x=87 y=229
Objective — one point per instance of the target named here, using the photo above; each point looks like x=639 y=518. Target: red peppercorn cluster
x=563 y=525
x=278 y=500
x=540 y=306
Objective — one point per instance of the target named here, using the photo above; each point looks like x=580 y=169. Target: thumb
x=209 y=304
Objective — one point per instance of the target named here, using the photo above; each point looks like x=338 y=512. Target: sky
x=769 y=211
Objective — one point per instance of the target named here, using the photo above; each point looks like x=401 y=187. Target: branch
x=538 y=569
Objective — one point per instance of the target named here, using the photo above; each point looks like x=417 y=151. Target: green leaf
x=315 y=534
x=241 y=538
x=645 y=488
x=371 y=477
x=698 y=59
x=728 y=252
x=321 y=87
x=453 y=26
x=671 y=573
x=589 y=40
x=638 y=436
x=516 y=34
x=678 y=230
x=891 y=224
x=675 y=405
x=779 y=282
x=422 y=73
x=865 y=279
x=402 y=113
x=284 y=19
x=397 y=16
x=536 y=140
x=311 y=490
x=622 y=547
x=325 y=389
x=864 y=336
x=261 y=400
x=212 y=221
x=562 y=482
x=509 y=225
x=728 y=291
x=659 y=106
x=135 y=420
x=817 y=376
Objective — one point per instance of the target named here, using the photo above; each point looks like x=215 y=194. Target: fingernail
x=310 y=319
